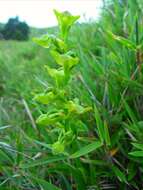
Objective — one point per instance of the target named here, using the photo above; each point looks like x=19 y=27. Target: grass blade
x=87 y=149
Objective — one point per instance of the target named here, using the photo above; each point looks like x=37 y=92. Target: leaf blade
x=87 y=149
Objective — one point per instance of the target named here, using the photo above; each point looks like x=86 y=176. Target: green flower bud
x=58 y=148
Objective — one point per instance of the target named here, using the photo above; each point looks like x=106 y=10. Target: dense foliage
x=15 y=30
x=95 y=150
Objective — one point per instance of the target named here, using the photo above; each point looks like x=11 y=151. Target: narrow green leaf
x=130 y=112
x=87 y=149
x=5 y=157
x=136 y=153
x=48 y=146
x=137 y=145
x=106 y=134
x=46 y=185
x=43 y=161
x=132 y=170
x=121 y=176
x=99 y=123
x=123 y=41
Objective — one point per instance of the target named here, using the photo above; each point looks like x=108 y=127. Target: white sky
x=39 y=13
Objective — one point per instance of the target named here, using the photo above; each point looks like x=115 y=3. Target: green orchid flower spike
x=65 y=60
x=65 y=20
x=45 y=98
x=62 y=114
x=51 y=41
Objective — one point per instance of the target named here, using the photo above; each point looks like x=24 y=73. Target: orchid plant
x=63 y=114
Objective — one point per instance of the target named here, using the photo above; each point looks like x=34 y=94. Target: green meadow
x=101 y=107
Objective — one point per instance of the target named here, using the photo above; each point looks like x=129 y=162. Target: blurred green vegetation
x=109 y=76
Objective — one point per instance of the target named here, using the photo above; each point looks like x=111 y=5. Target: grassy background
x=109 y=76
